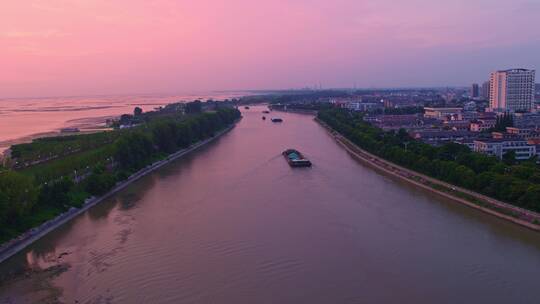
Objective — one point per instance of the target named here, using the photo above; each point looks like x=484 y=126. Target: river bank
x=12 y=247
x=523 y=217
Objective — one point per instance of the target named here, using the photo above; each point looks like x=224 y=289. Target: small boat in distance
x=266 y=112
x=295 y=158
x=277 y=120
x=246 y=107
x=264 y=118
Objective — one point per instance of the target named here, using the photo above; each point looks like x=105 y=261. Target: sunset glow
x=78 y=47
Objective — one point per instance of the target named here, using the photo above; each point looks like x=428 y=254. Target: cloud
x=170 y=45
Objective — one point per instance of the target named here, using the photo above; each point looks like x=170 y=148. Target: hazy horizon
x=97 y=47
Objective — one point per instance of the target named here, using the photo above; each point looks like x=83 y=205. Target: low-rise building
x=363 y=106
x=499 y=147
x=441 y=137
x=527 y=120
x=504 y=135
x=443 y=113
x=469 y=106
x=353 y=106
x=405 y=121
x=342 y=101
x=525 y=133
x=535 y=142
x=457 y=125
x=481 y=125
x=470 y=115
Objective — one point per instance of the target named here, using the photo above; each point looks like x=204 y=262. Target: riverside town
x=269 y=152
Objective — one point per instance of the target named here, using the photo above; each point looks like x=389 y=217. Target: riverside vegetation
x=515 y=183
x=51 y=175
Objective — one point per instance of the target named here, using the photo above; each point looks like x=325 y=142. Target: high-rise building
x=512 y=90
x=485 y=90
x=475 y=90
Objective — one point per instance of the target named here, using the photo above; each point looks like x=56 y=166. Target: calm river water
x=233 y=223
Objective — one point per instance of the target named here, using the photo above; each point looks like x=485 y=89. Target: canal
x=233 y=223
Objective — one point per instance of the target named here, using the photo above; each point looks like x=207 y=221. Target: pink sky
x=81 y=47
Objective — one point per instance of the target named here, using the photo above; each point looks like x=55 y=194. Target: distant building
x=369 y=106
x=353 y=106
x=344 y=102
x=475 y=90
x=525 y=133
x=499 y=147
x=457 y=125
x=443 y=113
x=535 y=142
x=469 y=106
x=356 y=104
x=527 y=120
x=362 y=106
x=512 y=90
x=481 y=125
x=470 y=115
x=437 y=137
x=485 y=90
x=504 y=135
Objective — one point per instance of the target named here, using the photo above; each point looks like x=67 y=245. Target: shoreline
x=86 y=125
x=5 y=146
x=491 y=206
x=14 y=246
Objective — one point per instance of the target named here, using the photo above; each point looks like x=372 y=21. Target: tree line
x=35 y=194
x=514 y=183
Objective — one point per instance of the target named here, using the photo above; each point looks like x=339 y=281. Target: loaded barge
x=295 y=158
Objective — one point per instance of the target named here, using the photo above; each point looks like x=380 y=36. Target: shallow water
x=233 y=223
x=23 y=118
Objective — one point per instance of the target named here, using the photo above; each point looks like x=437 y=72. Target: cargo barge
x=277 y=120
x=295 y=158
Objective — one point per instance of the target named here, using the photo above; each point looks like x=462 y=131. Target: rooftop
x=516 y=70
x=499 y=140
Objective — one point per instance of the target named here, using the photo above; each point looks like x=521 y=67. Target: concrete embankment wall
x=522 y=217
x=14 y=246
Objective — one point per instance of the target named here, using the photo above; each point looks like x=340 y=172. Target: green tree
x=56 y=193
x=17 y=196
x=133 y=150
x=194 y=107
x=137 y=111
x=99 y=183
x=509 y=157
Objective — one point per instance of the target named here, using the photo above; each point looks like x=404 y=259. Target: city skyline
x=66 y=48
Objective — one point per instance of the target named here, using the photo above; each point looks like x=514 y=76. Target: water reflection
x=233 y=223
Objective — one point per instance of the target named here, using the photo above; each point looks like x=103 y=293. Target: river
x=233 y=223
